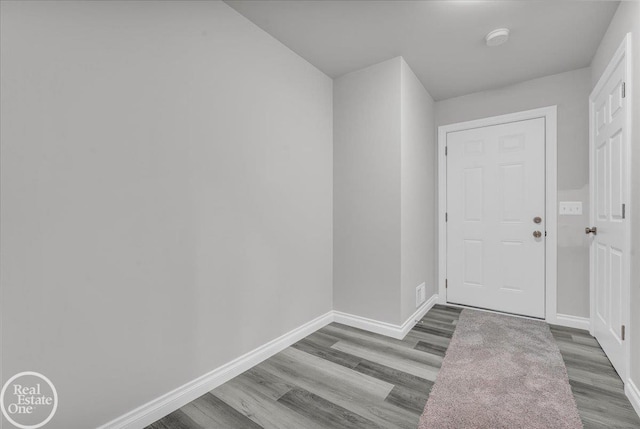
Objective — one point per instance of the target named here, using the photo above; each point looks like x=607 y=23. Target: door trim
x=549 y=113
x=623 y=51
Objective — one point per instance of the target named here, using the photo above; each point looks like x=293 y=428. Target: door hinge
x=446 y=150
x=624 y=209
x=623 y=329
x=624 y=89
x=446 y=217
x=446 y=283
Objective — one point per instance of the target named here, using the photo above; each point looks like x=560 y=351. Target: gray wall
x=418 y=191
x=627 y=19
x=366 y=191
x=166 y=173
x=384 y=192
x=570 y=92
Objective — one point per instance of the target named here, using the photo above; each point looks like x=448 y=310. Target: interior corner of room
x=189 y=188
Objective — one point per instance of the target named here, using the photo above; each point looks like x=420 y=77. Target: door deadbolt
x=537 y=219
x=537 y=234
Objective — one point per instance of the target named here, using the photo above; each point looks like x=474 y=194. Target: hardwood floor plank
x=421 y=370
x=393 y=376
x=265 y=412
x=576 y=331
x=606 y=418
x=176 y=420
x=593 y=401
x=392 y=346
x=434 y=349
x=434 y=331
x=596 y=391
x=332 y=355
x=401 y=351
x=585 y=341
x=343 y=332
x=606 y=382
x=447 y=308
x=447 y=326
x=428 y=338
x=329 y=372
x=198 y=416
x=409 y=399
x=266 y=383
x=327 y=413
x=210 y=412
x=593 y=354
x=601 y=368
x=444 y=313
x=320 y=339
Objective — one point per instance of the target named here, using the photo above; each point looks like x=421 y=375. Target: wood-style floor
x=342 y=377
x=596 y=386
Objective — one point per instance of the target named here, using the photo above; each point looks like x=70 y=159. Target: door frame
x=624 y=50
x=549 y=114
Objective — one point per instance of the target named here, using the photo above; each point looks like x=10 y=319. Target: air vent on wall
x=421 y=294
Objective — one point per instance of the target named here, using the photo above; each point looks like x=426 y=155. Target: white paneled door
x=609 y=215
x=495 y=217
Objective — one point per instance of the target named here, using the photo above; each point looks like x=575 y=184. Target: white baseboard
x=633 y=393
x=165 y=404
x=384 y=328
x=573 y=321
x=169 y=402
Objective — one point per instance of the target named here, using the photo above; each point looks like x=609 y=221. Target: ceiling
x=442 y=41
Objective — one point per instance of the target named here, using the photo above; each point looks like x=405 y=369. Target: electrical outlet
x=421 y=294
x=570 y=208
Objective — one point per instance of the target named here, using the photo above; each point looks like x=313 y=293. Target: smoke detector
x=497 y=37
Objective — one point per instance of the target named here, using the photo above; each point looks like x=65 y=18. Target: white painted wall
x=384 y=192
x=570 y=92
x=418 y=191
x=166 y=196
x=627 y=19
x=366 y=192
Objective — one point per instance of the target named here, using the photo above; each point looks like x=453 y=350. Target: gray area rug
x=501 y=372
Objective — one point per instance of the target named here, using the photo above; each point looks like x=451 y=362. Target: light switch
x=570 y=208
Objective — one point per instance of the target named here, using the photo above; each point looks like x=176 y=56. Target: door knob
x=537 y=219
x=592 y=230
x=537 y=234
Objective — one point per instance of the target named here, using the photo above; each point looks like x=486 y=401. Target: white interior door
x=495 y=217
x=609 y=192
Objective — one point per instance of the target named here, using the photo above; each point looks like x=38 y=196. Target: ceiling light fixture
x=497 y=37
